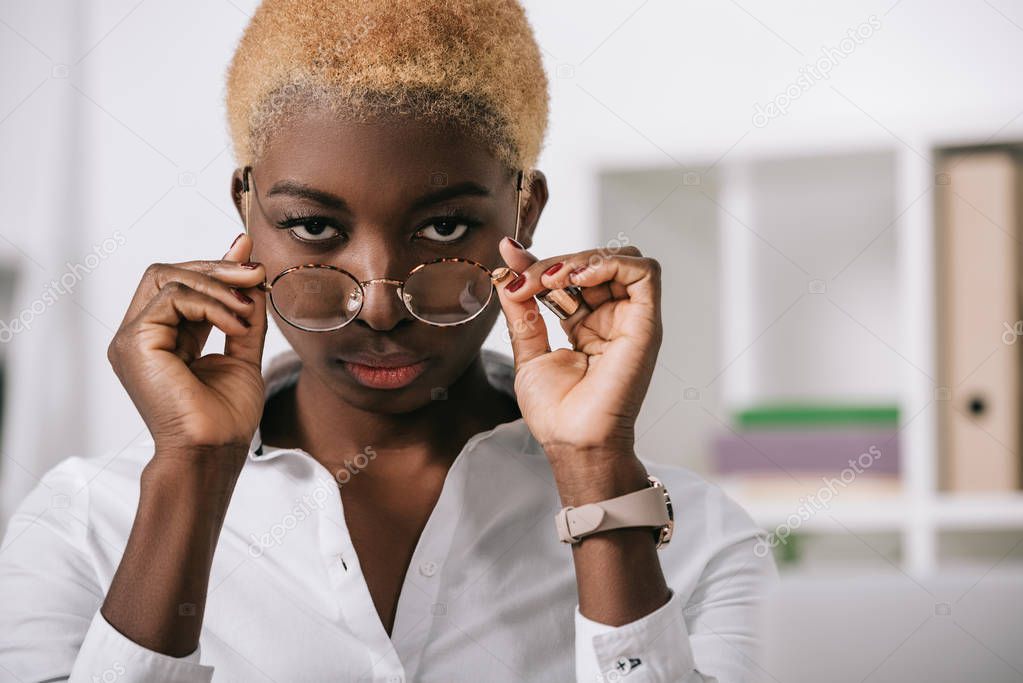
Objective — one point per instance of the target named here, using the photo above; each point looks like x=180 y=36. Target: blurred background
x=834 y=191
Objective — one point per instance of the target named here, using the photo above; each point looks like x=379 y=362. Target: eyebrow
x=293 y=188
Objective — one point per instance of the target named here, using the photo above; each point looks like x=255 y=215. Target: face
x=378 y=199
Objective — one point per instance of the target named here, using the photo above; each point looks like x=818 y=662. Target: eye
x=310 y=228
x=449 y=229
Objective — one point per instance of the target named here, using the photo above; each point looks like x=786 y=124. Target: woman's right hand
x=190 y=402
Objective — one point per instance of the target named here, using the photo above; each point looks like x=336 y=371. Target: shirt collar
x=283 y=369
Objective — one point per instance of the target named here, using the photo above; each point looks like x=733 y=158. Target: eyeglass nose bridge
x=399 y=285
x=385 y=281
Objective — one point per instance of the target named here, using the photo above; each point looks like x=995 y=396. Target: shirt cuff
x=107 y=654
x=652 y=649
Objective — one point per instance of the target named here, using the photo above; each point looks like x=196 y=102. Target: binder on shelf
x=817 y=415
x=830 y=452
x=979 y=318
x=794 y=439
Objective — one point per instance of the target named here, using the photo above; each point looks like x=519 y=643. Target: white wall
x=680 y=226
x=41 y=229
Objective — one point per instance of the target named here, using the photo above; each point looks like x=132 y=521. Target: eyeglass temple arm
x=246 y=197
x=562 y=302
x=246 y=210
x=518 y=204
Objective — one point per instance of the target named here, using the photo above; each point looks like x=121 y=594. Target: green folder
x=795 y=415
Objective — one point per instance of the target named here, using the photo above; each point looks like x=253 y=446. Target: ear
x=532 y=207
x=237 y=185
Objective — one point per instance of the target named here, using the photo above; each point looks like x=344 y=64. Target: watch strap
x=645 y=507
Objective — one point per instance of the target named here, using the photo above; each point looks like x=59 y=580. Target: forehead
x=399 y=153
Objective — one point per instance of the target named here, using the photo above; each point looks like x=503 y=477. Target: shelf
x=979 y=511
x=898 y=513
x=856 y=516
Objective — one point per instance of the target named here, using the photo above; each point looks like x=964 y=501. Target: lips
x=385 y=378
x=394 y=359
x=384 y=371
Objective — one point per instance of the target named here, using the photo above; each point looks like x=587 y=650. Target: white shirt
x=490 y=594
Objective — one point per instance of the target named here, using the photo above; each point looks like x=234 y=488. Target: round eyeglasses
x=318 y=297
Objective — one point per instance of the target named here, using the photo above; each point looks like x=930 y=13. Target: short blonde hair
x=473 y=63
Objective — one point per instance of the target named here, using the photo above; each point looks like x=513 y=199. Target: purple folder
x=822 y=450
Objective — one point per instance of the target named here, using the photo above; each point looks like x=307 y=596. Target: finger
x=636 y=277
x=532 y=270
x=248 y=346
x=526 y=328
x=229 y=271
x=594 y=296
x=234 y=252
x=524 y=263
x=521 y=260
x=176 y=304
x=521 y=310
x=234 y=298
x=515 y=256
x=536 y=271
x=216 y=278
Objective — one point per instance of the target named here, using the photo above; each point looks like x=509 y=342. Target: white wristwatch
x=647 y=507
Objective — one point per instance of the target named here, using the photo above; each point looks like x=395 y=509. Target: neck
x=318 y=420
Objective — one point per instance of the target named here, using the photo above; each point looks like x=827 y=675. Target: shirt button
x=428 y=568
x=395 y=679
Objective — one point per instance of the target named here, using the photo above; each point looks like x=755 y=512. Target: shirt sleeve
x=106 y=653
x=51 y=628
x=711 y=637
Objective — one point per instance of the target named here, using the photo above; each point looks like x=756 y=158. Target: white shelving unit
x=919 y=518
x=922 y=512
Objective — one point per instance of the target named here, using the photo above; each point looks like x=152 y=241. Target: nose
x=374 y=254
x=382 y=310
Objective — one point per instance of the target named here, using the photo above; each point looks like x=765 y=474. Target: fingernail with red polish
x=249 y=264
x=241 y=297
x=515 y=243
x=516 y=283
x=555 y=268
x=232 y=246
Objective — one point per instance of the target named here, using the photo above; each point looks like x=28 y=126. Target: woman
x=386 y=502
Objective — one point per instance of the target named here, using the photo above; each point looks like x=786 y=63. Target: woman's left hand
x=581 y=403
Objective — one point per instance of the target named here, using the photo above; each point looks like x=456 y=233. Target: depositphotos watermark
x=815 y=502
x=110 y=674
x=1012 y=332
x=301 y=510
x=72 y=275
x=811 y=74
x=306 y=505
x=362 y=29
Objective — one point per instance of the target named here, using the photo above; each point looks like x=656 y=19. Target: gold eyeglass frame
x=563 y=302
